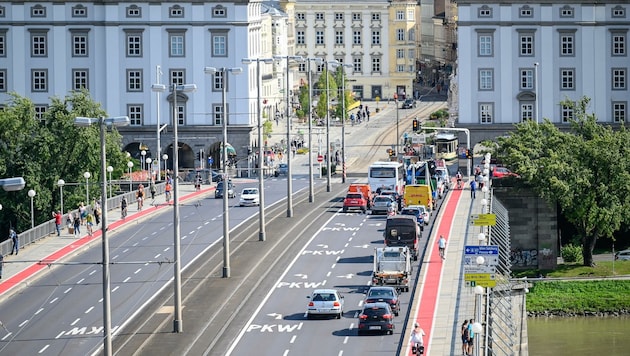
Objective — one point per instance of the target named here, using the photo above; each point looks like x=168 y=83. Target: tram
x=446 y=145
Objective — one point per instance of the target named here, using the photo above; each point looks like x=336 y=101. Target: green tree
x=585 y=171
x=322 y=100
x=44 y=151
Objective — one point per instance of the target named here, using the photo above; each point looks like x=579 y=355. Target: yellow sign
x=483 y=219
x=481 y=279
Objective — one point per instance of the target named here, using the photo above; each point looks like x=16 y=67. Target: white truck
x=392 y=266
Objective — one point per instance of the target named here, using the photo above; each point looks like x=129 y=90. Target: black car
x=409 y=104
x=218 y=193
x=384 y=294
x=376 y=317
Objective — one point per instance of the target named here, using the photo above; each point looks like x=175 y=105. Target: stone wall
x=533 y=228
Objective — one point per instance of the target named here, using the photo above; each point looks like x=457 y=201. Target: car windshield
x=250 y=191
x=324 y=297
x=382 y=199
x=415 y=212
x=380 y=293
x=353 y=196
x=374 y=311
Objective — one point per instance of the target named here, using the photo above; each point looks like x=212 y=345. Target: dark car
x=384 y=294
x=283 y=169
x=218 y=193
x=376 y=317
x=414 y=212
x=409 y=104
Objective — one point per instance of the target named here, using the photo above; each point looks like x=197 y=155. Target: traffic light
x=416 y=125
x=198 y=156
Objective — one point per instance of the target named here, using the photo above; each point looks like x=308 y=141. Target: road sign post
x=481 y=274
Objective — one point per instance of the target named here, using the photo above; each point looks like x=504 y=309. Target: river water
x=578 y=336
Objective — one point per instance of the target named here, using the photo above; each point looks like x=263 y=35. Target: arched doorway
x=186 y=157
x=216 y=152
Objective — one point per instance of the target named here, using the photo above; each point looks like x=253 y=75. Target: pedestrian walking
x=123 y=207
x=89 y=222
x=464 y=333
x=82 y=213
x=140 y=196
x=167 y=191
x=471 y=337
x=152 y=189
x=58 y=217
x=442 y=247
x=16 y=241
x=97 y=213
x=473 y=188
x=77 y=224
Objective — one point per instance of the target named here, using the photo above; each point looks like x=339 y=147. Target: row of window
x=567 y=79
x=564 y=12
x=134 y=43
x=357 y=35
x=356 y=16
x=132 y=11
x=566 y=45
x=619 y=112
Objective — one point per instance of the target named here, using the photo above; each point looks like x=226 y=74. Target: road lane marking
x=137 y=271
x=44 y=348
x=67 y=290
x=52 y=301
x=89 y=310
x=75 y=321
x=126 y=279
x=158 y=255
x=292 y=339
x=39 y=311
x=23 y=323
x=92 y=272
x=115 y=289
x=80 y=280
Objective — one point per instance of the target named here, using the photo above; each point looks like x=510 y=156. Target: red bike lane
x=430 y=289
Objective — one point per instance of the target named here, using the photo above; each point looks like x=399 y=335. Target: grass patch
x=570 y=270
x=579 y=296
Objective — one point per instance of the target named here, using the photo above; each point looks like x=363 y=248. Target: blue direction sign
x=481 y=250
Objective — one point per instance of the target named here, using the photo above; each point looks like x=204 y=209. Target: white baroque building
x=517 y=60
x=118 y=49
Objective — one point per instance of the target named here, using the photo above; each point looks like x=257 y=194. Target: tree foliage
x=586 y=171
x=44 y=151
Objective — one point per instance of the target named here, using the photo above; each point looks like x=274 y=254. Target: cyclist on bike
x=459 y=180
x=417 y=345
x=442 y=246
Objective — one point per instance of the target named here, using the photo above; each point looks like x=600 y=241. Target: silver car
x=383 y=204
x=325 y=302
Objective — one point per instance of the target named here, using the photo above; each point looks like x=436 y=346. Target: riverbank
x=563 y=298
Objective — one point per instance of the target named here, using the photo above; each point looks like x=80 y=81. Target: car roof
x=376 y=305
x=381 y=288
x=325 y=291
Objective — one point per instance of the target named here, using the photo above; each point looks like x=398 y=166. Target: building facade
x=518 y=60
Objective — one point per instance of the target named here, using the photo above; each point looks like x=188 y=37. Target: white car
x=249 y=197
x=325 y=302
x=424 y=211
x=623 y=255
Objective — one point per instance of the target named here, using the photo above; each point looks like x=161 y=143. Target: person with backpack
x=464 y=333
x=473 y=188
x=16 y=241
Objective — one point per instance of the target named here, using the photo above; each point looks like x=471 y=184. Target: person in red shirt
x=57 y=216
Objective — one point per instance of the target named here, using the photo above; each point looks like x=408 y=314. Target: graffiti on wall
x=524 y=258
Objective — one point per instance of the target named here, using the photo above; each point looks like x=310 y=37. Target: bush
x=572 y=253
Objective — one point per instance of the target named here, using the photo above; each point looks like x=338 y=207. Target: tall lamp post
x=328 y=156
x=31 y=194
x=536 y=89
x=87 y=176
x=288 y=116
x=261 y=191
x=397 y=123
x=165 y=158
x=110 y=169
x=177 y=279
x=130 y=165
x=158 y=74
x=311 y=194
x=60 y=184
x=149 y=171
x=143 y=161
x=107 y=315
x=226 y=182
x=343 y=121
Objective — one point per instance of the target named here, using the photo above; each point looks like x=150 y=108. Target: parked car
x=383 y=204
x=376 y=317
x=249 y=197
x=218 y=193
x=325 y=302
x=502 y=172
x=622 y=255
x=384 y=294
x=409 y=104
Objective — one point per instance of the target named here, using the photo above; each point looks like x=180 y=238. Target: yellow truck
x=419 y=194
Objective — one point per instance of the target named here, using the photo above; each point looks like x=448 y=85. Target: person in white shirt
x=416 y=338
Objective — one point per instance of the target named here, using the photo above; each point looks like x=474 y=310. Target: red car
x=355 y=200
x=502 y=172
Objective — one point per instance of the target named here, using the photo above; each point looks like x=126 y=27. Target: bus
x=446 y=145
x=387 y=176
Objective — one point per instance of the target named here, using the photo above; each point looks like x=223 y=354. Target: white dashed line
x=115 y=289
x=89 y=310
x=137 y=271
x=52 y=301
x=44 y=348
x=126 y=280
x=75 y=321
x=39 y=311
x=67 y=290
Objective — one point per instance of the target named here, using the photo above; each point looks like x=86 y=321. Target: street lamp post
x=143 y=161
x=107 y=316
x=226 y=181
x=343 y=121
x=158 y=74
x=536 y=89
x=165 y=158
x=261 y=191
x=177 y=279
x=397 y=123
x=110 y=169
x=60 y=184
x=130 y=165
x=31 y=194
x=328 y=156
x=150 y=173
x=87 y=176
x=288 y=116
x=311 y=194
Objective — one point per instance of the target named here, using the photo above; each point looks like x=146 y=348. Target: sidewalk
x=443 y=300
x=18 y=269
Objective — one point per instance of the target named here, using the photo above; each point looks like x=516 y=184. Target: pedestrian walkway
x=442 y=300
x=37 y=256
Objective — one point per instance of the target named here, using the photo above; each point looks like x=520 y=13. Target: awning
x=218 y=147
